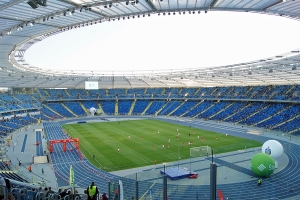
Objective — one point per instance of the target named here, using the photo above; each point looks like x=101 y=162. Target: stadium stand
x=242 y=105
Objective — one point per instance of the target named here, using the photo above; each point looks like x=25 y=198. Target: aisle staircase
x=180 y=91
x=190 y=109
x=35 y=105
x=17 y=99
x=47 y=93
x=100 y=108
x=211 y=94
x=220 y=111
x=117 y=107
x=272 y=115
x=66 y=91
x=196 y=91
x=176 y=109
x=290 y=89
x=68 y=109
x=286 y=121
x=143 y=113
x=156 y=113
x=253 y=113
x=132 y=107
x=52 y=110
x=230 y=91
x=83 y=108
x=212 y=105
x=34 y=98
x=237 y=111
x=293 y=131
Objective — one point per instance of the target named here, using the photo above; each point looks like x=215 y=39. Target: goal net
x=200 y=151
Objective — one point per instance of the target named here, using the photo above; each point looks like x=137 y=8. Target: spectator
x=50 y=191
x=104 y=197
x=92 y=192
x=63 y=194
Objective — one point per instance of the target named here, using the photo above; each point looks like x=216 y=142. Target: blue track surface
x=24 y=143
x=39 y=148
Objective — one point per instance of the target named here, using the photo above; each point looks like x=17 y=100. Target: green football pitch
x=134 y=143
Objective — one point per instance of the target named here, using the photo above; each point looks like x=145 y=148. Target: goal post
x=200 y=151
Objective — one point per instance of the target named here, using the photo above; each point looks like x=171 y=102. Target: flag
x=71 y=177
x=220 y=195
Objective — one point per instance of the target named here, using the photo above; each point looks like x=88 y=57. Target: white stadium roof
x=21 y=26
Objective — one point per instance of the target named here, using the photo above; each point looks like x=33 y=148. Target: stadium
x=65 y=128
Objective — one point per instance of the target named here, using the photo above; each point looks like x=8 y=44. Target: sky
x=167 y=42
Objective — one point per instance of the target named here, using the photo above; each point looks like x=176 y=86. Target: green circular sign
x=262 y=164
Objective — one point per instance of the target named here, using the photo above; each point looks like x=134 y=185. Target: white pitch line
x=138 y=156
